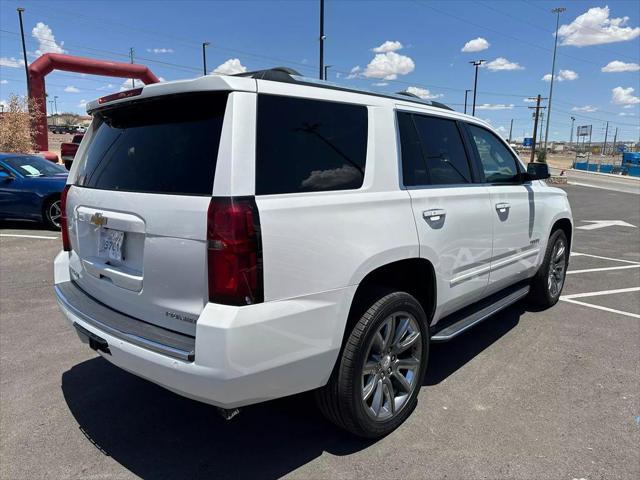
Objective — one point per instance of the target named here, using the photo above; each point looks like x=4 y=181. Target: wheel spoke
x=408 y=342
x=378 y=343
x=559 y=252
x=410 y=363
x=376 y=405
x=401 y=329
x=402 y=380
x=389 y=329
x=369 y=388
x=390 y=394
x=369 y=368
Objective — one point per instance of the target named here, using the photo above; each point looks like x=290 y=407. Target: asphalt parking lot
x=527 y=395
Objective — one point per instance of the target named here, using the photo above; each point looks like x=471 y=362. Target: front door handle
x=502 y=207
x=434 y=215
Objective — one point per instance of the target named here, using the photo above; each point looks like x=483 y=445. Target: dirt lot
x=55 y=139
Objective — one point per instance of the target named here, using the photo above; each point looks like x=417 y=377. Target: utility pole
x=606 y=134
x=204 y=57
x=326 y=67
x=133 y=81
x=542 y=128
x=510 y=131
x=55 y=103
x=535 y=126
x=573 y=119
x=615 y=140
x=322 y=39
x=475 y=63
x=465 y=99
x=557 y=11
x=24 y=53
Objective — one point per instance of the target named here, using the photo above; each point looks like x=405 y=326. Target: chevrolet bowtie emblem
x=98 y=219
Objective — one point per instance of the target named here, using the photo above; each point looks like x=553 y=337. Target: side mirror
x=537 y=171
x=5 y=177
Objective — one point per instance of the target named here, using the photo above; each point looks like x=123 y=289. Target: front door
x=452 y=213
x=516 y=235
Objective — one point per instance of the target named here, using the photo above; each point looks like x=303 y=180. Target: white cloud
x=501 y=129
x=11 y=62
x=596 y=28
x=563 y=75
x=618 y=66
x=230 y=67
x=495 y=106
x=354 y=72
x=586 y=108
x=4 y=104
x=424 y=93
x=4 y=82
x=160 y=50
x=109 y=86
x=627 y=114
x=380 y=84
x=388 y=66
x=82 y=104
x=71 y=89
x=623 y=96
x=388 y=46
x=475 y=45
x=502 y=63
x=126 y=85
x=529 y=100
x=628 y=106
x=46 y=40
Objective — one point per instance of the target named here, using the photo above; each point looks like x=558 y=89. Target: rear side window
x=432 y=151
x=498 y=163
x=162 y=145
x=307 y=145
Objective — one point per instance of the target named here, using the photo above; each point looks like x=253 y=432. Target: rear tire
x=376 y=382
x=51 y=213
x=547 y=284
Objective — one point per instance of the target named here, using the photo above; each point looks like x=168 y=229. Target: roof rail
x=288 y=75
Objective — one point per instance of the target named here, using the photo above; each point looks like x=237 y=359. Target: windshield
x=34 y=166
x=161 y=145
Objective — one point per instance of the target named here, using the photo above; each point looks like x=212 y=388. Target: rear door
x=451 y=211
x=516 y=239
x=142 y=185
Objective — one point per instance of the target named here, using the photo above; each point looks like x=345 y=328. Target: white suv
x=241 y=238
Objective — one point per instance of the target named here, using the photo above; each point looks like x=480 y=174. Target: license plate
x=110 y=244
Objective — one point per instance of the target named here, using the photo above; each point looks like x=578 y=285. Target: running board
x=468 y=317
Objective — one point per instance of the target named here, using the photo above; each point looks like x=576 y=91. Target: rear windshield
x=163 y=145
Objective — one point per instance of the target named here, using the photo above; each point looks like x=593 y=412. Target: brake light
x=134 y=92
x=234 y=251
x=64 y=224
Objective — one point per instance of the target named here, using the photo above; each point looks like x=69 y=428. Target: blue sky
x=380 y=45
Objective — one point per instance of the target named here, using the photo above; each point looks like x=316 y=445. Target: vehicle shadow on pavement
x=446 y=358
x=157 y=434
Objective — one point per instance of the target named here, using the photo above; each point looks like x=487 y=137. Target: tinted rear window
x=307 y=145
x=163 y=145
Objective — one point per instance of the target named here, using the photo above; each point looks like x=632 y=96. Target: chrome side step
x=468 y=320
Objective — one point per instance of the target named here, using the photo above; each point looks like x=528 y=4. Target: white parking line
x=598 y=307
x=602 y=292
x=576 y=254
x=602 y=269
x=28 y=236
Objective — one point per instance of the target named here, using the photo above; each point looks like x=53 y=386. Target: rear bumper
x=241 y=355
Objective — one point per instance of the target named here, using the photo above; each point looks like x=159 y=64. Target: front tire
x=547 y=284
x=52 y=213
x=375 y=385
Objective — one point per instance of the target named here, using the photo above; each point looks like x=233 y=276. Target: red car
x=68 y=150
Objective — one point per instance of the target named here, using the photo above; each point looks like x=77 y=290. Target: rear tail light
x=234 y=251
x=134 y=92
x=64 y=224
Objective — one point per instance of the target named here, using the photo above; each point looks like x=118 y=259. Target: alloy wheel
x=55 y=212
x=391 y=366
x=557 y=268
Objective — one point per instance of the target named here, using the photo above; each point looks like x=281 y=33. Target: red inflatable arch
x=48 y=62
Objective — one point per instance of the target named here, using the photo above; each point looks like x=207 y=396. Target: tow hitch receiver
x=95 y=342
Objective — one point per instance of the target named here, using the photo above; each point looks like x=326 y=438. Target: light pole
x=573 y=119
x=204 y=57
x=322 y=39
x=465 y=99
x=557 y=11
x=326 y=67
x=24 y=51
x=55 y=103
x=475 y=63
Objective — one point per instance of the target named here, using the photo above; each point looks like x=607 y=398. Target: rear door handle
x=434 y=215
x=502 y=207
